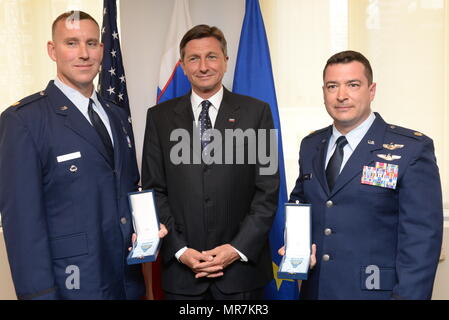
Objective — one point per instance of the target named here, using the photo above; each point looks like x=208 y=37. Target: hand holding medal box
x=146 y=226
x=295 y=263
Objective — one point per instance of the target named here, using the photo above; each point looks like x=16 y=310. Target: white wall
x=143 y=40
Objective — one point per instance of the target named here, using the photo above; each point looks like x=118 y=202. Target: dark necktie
x=334 y=165
x=101 y=130
x=205 y=123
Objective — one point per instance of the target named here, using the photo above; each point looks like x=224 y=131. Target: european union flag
x=112 y=81
x=254 y=77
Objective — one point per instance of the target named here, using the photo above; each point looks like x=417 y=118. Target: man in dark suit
x=375 y=192
x=218 y=214
x=67 y=162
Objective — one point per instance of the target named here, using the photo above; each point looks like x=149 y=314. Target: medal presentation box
x=146 y=226
x=297 y=240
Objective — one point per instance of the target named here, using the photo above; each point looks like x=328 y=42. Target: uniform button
x=328 y=231
x=329 y=204
x=326 y=257
x=123 y=220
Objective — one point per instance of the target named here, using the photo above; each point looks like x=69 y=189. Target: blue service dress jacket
x=65 y=212
x=373 y=242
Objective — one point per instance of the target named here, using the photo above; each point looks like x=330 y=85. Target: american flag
x=112 y=81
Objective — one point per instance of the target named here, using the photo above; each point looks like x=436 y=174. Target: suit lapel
x=183 y=113
x=228 y=113
x=74 y=119
x=320 y=158
x=184 y=119
x=363 y=154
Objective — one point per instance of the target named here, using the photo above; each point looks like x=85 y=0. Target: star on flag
x=276 y=279
x=111 y=90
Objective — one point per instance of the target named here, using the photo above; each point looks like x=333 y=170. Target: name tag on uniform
x=69 y=156
x=383 y=175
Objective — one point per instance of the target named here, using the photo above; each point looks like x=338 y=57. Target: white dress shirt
x=354 y=137
x=82 y=103
x=215 y=101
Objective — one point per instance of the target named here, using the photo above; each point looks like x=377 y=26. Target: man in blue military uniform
x=67 y=162
x=376 y=196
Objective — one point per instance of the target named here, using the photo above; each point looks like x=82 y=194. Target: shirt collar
x=215 y=100
x=355 y=135
x=80 y=101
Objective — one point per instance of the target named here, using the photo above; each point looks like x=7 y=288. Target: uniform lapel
x=320 y=158
x=118 y=132
x=74 y=119
x=363 y=154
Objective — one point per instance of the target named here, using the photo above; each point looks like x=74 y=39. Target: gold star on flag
x=278 y=281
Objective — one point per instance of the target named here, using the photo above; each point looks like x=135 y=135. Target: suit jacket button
x=123 y=220
x=328 y=231
x=329 y=204
x=326 y=257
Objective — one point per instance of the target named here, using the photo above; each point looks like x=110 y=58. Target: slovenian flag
x=172 y=81
x=254 y=77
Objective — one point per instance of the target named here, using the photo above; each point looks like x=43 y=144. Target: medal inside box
x=297 y=240
x=146 y=226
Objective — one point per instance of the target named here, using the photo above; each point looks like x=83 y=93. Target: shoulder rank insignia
x=393 y=146
x=15 y=104
x=418 y=134
x=388 y=157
